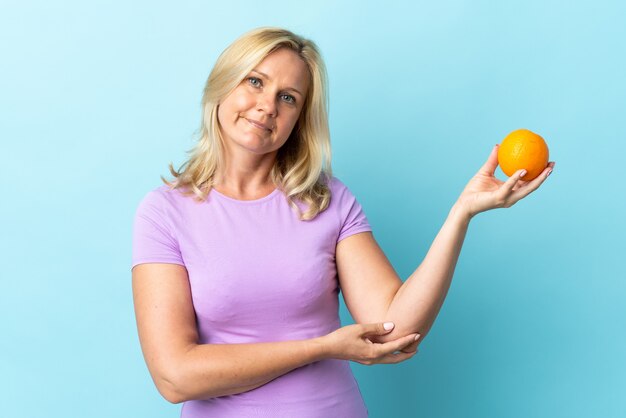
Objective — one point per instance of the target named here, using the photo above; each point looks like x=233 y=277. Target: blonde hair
x=302 y=169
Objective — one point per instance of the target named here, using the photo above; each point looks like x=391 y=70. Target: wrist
x=460 y=213
x=319 y=348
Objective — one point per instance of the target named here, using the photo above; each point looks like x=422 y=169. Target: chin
x=253 y=144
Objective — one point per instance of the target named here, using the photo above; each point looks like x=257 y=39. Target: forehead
x=286 y=68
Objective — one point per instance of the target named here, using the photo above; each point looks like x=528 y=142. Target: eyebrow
x=268 y=77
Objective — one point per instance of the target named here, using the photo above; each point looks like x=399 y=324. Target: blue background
x=98 y=97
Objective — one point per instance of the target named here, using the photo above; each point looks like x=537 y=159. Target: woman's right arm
x=184 y=370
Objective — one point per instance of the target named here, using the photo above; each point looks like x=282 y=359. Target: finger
x=377 y=329
x=489 y=168
x=396 y=358
x=411 y=347
x=397 y=345
x=406 y=350
x=532 y=185
x=508 y=185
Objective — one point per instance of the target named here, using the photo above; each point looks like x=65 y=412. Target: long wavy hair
x=302 y=170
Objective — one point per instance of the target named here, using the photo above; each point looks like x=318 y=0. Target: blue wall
x=98 y=97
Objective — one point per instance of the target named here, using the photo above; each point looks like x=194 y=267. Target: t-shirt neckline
x=245 y=202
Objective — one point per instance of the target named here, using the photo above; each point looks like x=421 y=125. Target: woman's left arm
x=417 y=302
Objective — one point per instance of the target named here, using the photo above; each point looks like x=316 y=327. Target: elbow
x=172 y=378
x=173 y=397
x=401 y=330
x=171 y=388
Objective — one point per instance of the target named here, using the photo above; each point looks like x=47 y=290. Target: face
x=259 y=115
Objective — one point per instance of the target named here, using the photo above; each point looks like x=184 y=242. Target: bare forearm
x=212 y=370
x=418 y=301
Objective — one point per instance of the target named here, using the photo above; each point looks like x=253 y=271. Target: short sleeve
x=153 y=241
x=353 y=219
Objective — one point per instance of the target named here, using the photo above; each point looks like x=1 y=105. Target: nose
x=267 y=104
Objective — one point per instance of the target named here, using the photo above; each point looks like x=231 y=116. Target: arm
x=181 y=368
x=374 y=292
x=367 y=278
x=419 y=300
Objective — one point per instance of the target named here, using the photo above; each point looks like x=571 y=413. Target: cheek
x=233 y=105
x=292 y=121
x=241 y=101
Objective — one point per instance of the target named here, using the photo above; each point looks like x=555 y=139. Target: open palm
x=484 y=191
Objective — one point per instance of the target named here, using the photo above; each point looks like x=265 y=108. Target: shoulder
x=340 y=192
x=161 y=196
x=342 y=200
x=336 y=185
x=160 y=203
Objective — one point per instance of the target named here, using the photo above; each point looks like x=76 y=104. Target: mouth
x=258 y=125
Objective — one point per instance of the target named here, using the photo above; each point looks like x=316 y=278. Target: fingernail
x=549 y=172
x=388 y=325
x=417 y=337
x=523 y=173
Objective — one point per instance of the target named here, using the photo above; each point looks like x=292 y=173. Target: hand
x=485 y=191
x=351 y=343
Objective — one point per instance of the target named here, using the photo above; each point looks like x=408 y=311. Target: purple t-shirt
x=259 y=274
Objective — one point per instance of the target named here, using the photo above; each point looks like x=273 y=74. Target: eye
x=289 y=98
x=255 y=82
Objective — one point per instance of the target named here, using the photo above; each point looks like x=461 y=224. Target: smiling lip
x=258 y=124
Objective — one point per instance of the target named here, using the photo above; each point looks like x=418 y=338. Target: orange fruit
x=523 y=149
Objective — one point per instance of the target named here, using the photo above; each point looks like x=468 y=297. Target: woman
x=237 y=264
